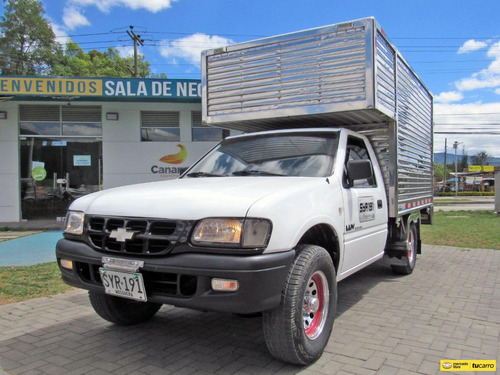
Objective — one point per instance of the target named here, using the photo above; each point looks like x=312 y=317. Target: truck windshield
x=306 y=154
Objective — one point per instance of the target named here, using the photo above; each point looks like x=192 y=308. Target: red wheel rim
x=411 y=246
x=315 y=308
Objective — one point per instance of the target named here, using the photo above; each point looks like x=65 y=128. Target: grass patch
x=455 y=201
x=467 y=194
x=25 y=282
x=472 y=229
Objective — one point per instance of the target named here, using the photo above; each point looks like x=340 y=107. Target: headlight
x=74 y=222
x=232 y=232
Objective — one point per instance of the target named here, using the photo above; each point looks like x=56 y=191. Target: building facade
x=61 y=138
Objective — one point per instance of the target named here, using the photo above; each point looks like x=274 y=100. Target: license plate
x=124 y=284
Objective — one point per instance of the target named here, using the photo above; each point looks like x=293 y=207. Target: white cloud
x=481 y=80
x=486 y=78
x=494 y=52
x=473 y=117
x=472 y=124
x=126 y=51
x=60 y=33
x=73 y=18
x=448 y=97
x=106 y=5
x=150 y=5
x=190 y=47
x=471 y=46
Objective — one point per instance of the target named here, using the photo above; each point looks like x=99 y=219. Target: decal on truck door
x=366 y=207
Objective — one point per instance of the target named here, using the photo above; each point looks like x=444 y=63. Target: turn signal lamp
x=68 y=264
x=225 y=285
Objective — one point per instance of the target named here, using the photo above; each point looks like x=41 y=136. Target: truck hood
x=191 y=198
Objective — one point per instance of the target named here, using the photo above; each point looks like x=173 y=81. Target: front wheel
x=122 y=311
x=298 y=330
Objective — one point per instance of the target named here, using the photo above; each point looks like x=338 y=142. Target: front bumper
x=184 y=280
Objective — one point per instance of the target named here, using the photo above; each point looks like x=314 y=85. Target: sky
x=452 y=45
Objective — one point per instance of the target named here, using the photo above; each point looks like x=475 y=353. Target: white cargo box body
x=345 y=75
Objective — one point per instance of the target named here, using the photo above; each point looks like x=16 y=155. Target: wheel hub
x=313 y=304
x=315 y=307
x=411 y=247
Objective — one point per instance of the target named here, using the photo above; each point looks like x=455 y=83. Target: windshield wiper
x=255 y=172
x=205 y=174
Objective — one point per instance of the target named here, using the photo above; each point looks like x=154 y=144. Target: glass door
x=55 y=171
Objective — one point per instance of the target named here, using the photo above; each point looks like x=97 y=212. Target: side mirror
x=359 y=170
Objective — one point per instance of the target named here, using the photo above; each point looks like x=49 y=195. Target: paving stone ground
x=449 y=308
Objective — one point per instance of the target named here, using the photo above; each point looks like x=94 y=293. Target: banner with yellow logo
x=468 y=365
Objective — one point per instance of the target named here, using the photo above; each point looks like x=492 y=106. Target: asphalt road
x=464 y=203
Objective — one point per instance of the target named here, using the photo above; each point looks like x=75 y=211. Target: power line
x=473 y=126
x=450 y=61
x=467 y=114
x=446 y=38
x=124 y=28
x=468 y=133
x=79 y=35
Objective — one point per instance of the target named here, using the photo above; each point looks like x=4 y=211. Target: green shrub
x=467 y=194
x=12 y=229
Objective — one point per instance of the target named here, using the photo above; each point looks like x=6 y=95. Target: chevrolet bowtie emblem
x=122 y=234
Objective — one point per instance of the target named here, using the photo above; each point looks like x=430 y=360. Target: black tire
x=411 y=256
x=298 y=330
x=122 y=311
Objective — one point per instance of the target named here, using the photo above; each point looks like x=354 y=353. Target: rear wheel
x=122 y=311
x=298 y=330
x=411 y=255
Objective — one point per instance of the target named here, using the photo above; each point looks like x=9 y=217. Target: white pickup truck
x=270 y=221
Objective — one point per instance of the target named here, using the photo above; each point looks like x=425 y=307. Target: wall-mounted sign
x=481 y=168
x=175 y=159
x=103 y=87
x=50 y=86
x=59 y=143
x=82 y=160
x=38 y=171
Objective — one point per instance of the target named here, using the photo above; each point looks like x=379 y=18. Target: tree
x=463 y=164
x=75 y=62
x=481 y=158
x=438 y=171
x=27 y=41
x=158 y=75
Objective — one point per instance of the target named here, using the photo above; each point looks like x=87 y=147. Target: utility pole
x=455 y=146
x=444 y=163
x=137 y=40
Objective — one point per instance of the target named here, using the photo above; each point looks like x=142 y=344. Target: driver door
x=365 y=216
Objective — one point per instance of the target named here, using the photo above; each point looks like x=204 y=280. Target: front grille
x=156 y=283
x=132 y=235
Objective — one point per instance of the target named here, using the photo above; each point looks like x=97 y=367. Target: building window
x=40 y=120
x=203 y=133
x=160 y=126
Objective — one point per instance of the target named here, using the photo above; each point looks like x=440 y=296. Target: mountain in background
x=450 y=159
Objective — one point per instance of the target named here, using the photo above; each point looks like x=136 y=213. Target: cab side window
x=356 y=150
